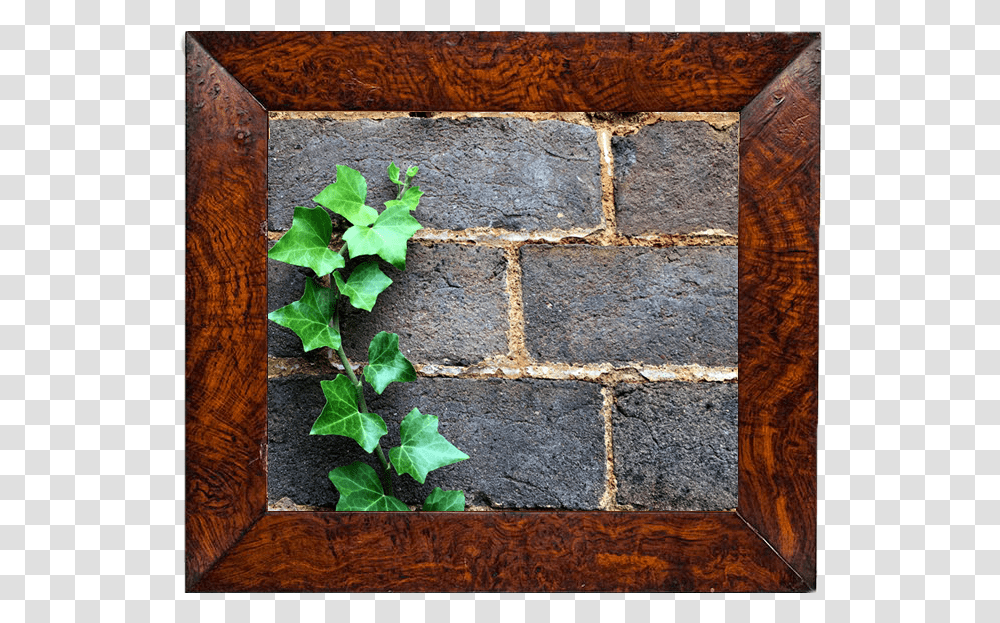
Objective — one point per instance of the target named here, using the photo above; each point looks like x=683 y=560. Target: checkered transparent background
x=91 y=325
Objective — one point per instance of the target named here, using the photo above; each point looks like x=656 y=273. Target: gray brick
x=676 y=178
x=532 y=443
x=585 y=304
x=484 y=172
x=675 y=446
x=449 y=307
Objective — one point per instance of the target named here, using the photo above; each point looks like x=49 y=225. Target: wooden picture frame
x=233 y=543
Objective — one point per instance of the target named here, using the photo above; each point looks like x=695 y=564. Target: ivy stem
x=363 y=407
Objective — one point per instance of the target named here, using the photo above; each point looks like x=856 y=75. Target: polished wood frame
x=233 y=543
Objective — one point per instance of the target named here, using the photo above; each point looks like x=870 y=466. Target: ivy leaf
x=368 y=501
x=422 y=448
x=360 y=490
x=410 y=199
x=310 y=317
x=394 y=174
x=305 y=243
x=340 y=415
x=386 y=237
x=362 y=241
x=395 y=226
x=346 y=197
x=364 y=285
x=386 y=364
x=355 y=477
x=441 y=500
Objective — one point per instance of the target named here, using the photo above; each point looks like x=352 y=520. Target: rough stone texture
x=677 y=177
x=449 y=307
x=297 y=462
x=531 y=443
x=585 y=304
x=675 y=446
x=285 y=284
x=484 y=172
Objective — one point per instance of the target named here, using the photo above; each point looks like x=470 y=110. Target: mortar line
x=596 y=373
x=610 y=215
x=608 y=500
x=602 y=235
x=508 y=368
x=278 y=367
x=517 y=348
x=503 y=239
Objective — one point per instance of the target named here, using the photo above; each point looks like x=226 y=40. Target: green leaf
x=441 y=500
x=346 y=197
x=367 y=501
x=305 y=244
x=410 y=198
x=386 y=237
x=422 y=448
x=411 y=172
x=394 y=174
x=360 y=490
x=355 y=477
x=340 y=415
x=386 y=364
x=310 y=317
x=364 y=285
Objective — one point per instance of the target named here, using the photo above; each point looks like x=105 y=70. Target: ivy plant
x=316 y=320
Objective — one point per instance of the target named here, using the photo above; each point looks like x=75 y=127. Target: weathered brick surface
x=532 y=443
x=285 y=284
x=449 y=307
x=484 y=172
x=677 y=177
x=586 y=304
x=675 y=446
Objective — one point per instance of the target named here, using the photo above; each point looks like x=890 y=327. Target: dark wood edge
x=233 y=543
x=501 y=551
x=226 y=307
x=779 y=311
x=504 y=71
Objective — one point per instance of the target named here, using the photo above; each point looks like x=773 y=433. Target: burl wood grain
x=226 y=292
x=504 y=71
x=234 y=544
x=779 y=311
x=504 y=551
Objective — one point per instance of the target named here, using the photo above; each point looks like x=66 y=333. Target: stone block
x=508 y=173
x=675 y=446
x=677 y=177
x=532 y=443
x=587 y=304
x=449 y=307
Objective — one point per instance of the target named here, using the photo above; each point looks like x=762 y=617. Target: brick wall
x=570 y=306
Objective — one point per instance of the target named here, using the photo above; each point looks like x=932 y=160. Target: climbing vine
x=316 y=320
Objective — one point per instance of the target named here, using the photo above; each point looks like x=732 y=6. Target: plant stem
x=363 y=407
